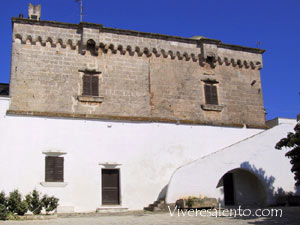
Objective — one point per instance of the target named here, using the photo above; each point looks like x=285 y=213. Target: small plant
x=49 y=203
x=190 y=201
x=12 y=216
x=3 y=212
x=3 y=199
x=13 y=206
x=22 y=208
x=15 y=203
x=3 y=206
x=34 y=202
x=14 y=200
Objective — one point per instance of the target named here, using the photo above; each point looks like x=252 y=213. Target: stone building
x=102 y=117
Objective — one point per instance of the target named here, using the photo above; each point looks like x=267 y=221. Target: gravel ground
x=291 y=216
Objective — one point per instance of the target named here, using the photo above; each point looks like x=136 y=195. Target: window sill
x=54 y=184
x=86 y=98
x=209 y=107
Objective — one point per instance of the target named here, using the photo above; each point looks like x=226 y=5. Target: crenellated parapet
x=94 y=37
x=44 y=40
x=148 y=51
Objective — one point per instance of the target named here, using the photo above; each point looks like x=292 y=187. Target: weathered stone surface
x=196 y=203
x=142 y=75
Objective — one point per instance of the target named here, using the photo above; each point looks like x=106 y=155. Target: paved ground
x=291 y=216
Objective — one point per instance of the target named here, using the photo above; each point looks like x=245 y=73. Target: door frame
x=101 y=188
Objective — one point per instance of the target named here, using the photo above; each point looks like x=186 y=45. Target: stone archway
x=242 y=187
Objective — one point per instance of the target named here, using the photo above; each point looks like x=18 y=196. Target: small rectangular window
x=90 y=85
x=54 y=171
x=211 y=95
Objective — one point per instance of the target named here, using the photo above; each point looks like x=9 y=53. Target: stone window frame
x=90 y=85
x=54 y=183
x=209 y=106
x=84 y=97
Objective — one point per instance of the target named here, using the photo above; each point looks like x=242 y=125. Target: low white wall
x=255 y=154
x=149 y=154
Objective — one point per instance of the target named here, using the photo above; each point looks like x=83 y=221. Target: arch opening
x=242 y=187
x=91 y=47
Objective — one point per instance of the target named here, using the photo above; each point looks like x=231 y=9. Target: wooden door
x=228 y=189
x=110 y=187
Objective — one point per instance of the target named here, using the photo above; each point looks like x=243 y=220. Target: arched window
x=91 y=46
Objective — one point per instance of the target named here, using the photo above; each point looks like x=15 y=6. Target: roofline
x=137 y=33
x=279 y=117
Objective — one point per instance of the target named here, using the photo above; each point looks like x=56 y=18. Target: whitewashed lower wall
x=256 y=154
x=149 y=154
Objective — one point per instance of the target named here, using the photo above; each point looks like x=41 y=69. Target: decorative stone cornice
x=140 y=51
x=199 y=50
x=137 y=33
x=44 y=40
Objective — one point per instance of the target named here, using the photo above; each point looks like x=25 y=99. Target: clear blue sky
x=275 y=23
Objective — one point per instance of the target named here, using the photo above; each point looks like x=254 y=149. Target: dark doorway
x=228 y=189
x=110 y=187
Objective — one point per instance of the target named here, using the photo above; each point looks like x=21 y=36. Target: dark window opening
x=211 y=95
x=90 y=85
x=210 y=61
x=54 y=171
x=4 y=89
x=91 y=47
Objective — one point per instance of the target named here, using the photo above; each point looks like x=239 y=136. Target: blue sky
x=275 y=23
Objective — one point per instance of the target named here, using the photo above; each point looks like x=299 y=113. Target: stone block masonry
x=142 y=76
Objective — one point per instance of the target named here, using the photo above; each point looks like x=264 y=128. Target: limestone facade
x=141 y=76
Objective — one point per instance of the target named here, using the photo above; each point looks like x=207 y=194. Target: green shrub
x=15 y=203
x=12 y=216
x=3 y=199
x=22 y=208
x=14 y=200
x=49 y=203
x=190 y=201
x=34 y=202
x=3 y=212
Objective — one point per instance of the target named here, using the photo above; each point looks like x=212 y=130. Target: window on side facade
x=211 y=94
x=90 y=85
x=54 y=171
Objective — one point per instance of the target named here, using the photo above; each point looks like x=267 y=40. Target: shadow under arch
x=242 y=187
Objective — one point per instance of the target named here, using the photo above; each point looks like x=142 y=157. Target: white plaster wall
x=149 y=154
x=256 y=154
x=248 y=189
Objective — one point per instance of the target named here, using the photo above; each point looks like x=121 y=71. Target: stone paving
x=291 y=216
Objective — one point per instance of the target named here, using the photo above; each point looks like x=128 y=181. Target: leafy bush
x=190 y=201
x=15 y=203
x=34 y=202
x=12 y=216
x=22 y=208
x=3 y=199
x=292 y=141
x=14 y=200
x=3 y=212
x=49 y=203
